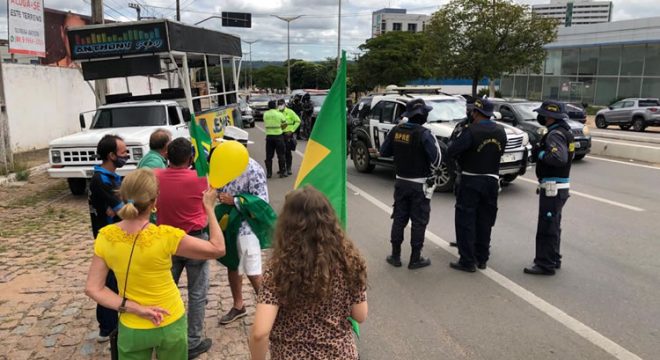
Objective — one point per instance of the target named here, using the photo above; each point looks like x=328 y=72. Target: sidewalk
x=45 y=247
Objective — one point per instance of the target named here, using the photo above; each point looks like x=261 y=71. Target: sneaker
x=233 y=315
x=201 y=348
x=102 y=338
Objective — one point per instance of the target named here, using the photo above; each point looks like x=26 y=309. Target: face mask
x=121 y=161
x=281 y=107
x=541 y=120
x=470 y=117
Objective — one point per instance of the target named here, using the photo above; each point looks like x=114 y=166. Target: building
x=595 y=64
x=569 y=13
x=5 y=56
x=386 y=20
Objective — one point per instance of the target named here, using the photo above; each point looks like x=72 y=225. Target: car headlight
x=542 y=131
x=56 y=156
x=586 y=131
x=137 y=153
x=525 y=139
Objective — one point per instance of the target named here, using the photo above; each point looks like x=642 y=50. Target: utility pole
x=137 y=8
x=288 y=48
x=250 y=44
x=178 y=11
x=100 y=86
x=491 y=82
x=339 y=37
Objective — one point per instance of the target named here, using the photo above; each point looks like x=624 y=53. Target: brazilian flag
x=201 y=141
x=324 y=163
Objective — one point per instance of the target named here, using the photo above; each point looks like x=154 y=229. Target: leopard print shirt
x=322 y=332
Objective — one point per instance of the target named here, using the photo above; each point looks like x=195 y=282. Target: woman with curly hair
x=315 y=280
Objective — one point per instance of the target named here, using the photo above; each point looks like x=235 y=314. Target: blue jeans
x=198 y=286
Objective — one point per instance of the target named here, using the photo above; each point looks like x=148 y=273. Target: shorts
x=249 y=252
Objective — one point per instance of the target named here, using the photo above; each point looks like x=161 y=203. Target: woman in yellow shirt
x=152 y=314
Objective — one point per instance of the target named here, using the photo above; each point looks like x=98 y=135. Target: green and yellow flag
x=201 y=141
x=324 y=163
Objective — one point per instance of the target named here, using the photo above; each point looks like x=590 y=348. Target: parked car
x=259 y=105
x=634 y=112
x=246 y=113
x=374 y=116
x=520 y=113
x=577 y=113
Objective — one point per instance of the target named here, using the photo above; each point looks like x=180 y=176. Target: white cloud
x=313 y=36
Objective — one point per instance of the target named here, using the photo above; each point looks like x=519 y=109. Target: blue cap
x=484 y=106
x=553 y=109
x=416 y=107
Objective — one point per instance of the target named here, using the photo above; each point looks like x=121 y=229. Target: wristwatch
x=122 y=308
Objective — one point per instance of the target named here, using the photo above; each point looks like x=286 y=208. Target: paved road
x=602 y=304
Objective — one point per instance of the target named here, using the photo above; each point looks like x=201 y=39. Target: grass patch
x=3 y=248
x=23 y=175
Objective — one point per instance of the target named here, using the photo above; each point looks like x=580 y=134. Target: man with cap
x=275 y=123
x=477 y=149
x=415 y=151
x=292 y=124
x=554 y=156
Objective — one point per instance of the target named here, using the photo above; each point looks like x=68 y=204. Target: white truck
x=145 y=48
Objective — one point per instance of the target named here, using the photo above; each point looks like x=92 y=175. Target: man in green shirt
x=292 y=124
x=275 y=123
x=156 y=158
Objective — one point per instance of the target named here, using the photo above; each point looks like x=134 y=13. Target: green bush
x=592 y=110
x=22 y=175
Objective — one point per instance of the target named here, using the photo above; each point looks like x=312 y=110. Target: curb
x=626 y=137
x=4 y=180
x=635 y=152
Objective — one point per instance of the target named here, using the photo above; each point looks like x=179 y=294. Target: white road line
x=592 y=197
x=581 y=329
x=627 y=144
x=591 y=335
x=623 y=162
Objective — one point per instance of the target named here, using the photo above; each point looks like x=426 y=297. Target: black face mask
x=120 y=161
x=419 y=119
x=470 y=117
x=541 y=120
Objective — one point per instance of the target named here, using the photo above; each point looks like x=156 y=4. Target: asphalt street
x=602 y=304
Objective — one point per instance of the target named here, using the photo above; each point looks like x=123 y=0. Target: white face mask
x=281 y=107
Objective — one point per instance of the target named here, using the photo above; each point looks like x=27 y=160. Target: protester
x=103 y=206
x=315 y=280
x=252 y=181
x=156 y=158
x=478 y=150
x=180 y=205
x=152 y=311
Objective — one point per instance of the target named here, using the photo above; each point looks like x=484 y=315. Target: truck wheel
x=444 y=178
x=508 y=179
x=77 y=185
x=638 y=124
x=600 y=122
x=579 y=157
x=625 y=126
x=361 y=158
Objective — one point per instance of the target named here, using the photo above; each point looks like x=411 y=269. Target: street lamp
x=250 y=44
x=288 y=20
x=137 y=8
x=209 y=18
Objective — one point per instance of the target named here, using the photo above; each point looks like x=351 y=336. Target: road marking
x=581 y=329
x=623 y=162
x=592 y=197
x=627 y=144
x=573 y=324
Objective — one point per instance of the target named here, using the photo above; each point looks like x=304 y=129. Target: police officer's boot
x=269 y=169
x=395 y=258
x=288 y=170
x=417 y=261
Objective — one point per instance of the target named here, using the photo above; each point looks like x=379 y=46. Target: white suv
x=374 y=116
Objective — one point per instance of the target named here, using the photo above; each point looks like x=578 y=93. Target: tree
x=477 y=38
x=270 y=77
x=392 y=58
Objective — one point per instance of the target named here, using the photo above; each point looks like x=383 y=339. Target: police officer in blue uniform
x=477 y=149
x=415 y=151
x=554 y=156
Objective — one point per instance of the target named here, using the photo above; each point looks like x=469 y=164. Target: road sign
x=234 y=19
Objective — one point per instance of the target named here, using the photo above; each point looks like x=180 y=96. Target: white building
x=569 y=13
x=386 y=20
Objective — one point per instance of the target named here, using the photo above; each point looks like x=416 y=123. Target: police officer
x=296 y=106
x=415 y=150
x=292 y=124
x=477 y=149
x=554 y=156
x=275 y=123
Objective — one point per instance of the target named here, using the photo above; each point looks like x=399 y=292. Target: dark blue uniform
x=414 y=149
x=554 y=158
x=478 y=150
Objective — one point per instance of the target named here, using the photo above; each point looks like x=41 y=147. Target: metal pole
x=339 y=37
x=250 y=66
x=178 y=11
x=288 y=60
x=100 y=86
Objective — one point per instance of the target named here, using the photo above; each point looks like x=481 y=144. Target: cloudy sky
x=313 y=36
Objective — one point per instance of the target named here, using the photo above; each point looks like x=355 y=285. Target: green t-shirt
x=153 y=160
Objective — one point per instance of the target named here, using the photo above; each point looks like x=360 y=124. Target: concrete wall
x=43 y=102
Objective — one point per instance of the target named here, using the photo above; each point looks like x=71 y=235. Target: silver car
x=637 y=113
